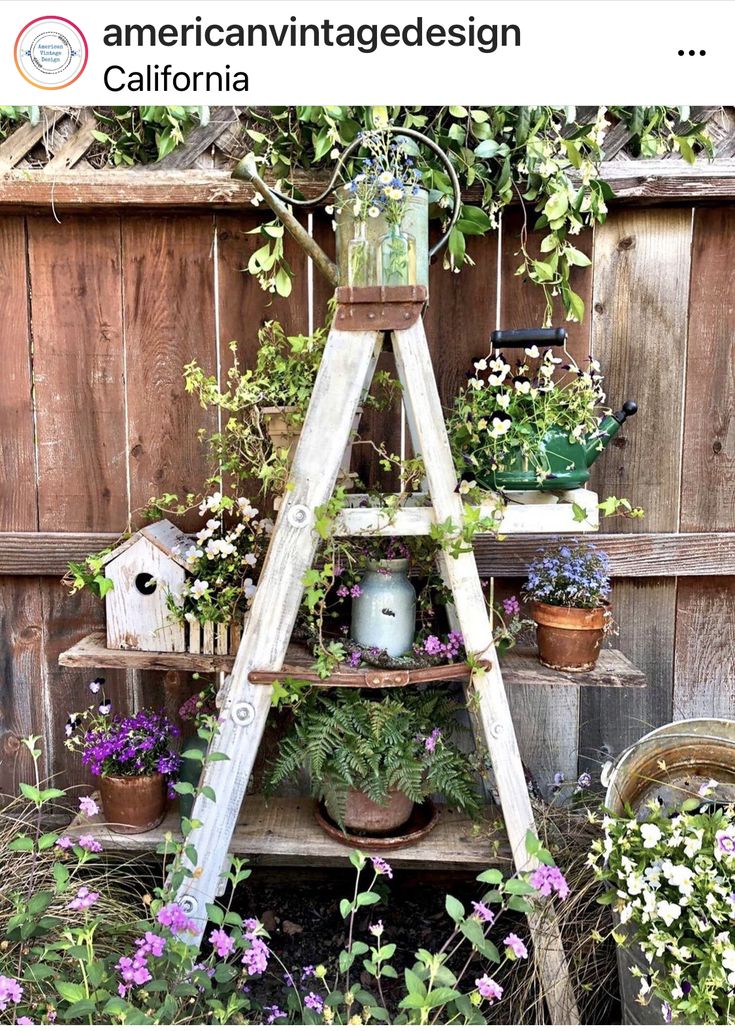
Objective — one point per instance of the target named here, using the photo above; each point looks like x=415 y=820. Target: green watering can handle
x=355 y=145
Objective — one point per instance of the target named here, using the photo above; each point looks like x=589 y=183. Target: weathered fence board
x=708 y=481
x=22 y=707
x=78 y=370
x=18 y=508
x=168 y=297
x=704 y=665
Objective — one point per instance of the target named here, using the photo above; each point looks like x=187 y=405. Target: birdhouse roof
x=163 y=535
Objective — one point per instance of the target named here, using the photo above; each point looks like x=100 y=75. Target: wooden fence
x=101 y=307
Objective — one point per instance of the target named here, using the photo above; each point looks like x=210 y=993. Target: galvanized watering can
x=416 y=218
x=566 y=462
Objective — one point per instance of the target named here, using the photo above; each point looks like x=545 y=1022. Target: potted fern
x=371 y=760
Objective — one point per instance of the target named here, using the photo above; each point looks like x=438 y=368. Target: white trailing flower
x=532 y=352
x=668 y=912
x=199 y=588
x=249 y=589
x=651 y=835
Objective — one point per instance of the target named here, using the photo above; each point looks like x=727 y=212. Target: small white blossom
x=199 y=588
x=651 y=835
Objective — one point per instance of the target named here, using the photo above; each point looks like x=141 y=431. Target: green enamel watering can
x=564 y=464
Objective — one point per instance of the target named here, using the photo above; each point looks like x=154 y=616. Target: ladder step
x=283 y=832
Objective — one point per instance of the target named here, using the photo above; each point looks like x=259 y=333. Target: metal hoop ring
x=355 y=145
x=298 y=516
x=189 y=904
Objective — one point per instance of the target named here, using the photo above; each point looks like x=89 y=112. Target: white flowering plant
x=508 y=407
x=223 y=560
x=671 y=881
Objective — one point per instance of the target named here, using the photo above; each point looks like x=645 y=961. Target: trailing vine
x=545 y=158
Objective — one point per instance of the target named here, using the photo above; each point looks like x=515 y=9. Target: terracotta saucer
x=420 y=823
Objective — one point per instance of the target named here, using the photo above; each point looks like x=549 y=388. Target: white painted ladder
x=343 y=379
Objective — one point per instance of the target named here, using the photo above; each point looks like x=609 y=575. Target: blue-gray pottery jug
x=384 y=615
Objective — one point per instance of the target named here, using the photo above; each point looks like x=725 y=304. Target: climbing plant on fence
x=545 y=158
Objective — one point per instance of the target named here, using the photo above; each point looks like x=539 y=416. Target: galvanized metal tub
x=415 y=222
x=694 y=752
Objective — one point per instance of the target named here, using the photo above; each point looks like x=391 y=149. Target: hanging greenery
x=545 y=158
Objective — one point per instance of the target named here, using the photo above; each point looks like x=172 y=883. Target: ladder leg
x=426 y=420
x=338 y=391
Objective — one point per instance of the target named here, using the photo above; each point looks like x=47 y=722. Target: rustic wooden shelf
x=520 y=666
x=283 y=832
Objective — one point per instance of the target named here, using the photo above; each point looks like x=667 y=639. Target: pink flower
x=134 y=970
x=223 y=943
x=546 y=879
x=483 y=912
x=25 y=1020
x=488 y=988
x=381 y=867
x=516 y=945
x=511 y=606
x=173 y=916
x=89 y=843
x=356 y=591
x=150 y=944
x=432 y=740
x=64 y=842
x=84 y=898
x=256 y=957
x=88 y=806
x=10 y=991
x=343 y=591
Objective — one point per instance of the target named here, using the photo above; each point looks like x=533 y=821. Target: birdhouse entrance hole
x=145 y=583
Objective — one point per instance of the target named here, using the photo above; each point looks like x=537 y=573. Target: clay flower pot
x=569 y=639
x=133 y=805
x=362 y=814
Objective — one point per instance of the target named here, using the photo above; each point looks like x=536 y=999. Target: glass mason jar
x=360 y=258
x=397 y=258
x=384 y=614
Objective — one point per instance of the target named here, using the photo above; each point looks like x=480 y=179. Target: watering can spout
x=607 y=430
x=247 y=170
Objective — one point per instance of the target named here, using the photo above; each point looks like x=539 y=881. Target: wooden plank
x=520 y=667
x=78 y=369
x=708 y=475
x=91 y=652
x=546 y=725
x=522 y=303
x=64 y=620
x=337 y=393
x=200 y=138
x=22 y=704
x=641 y=290
x=704 y=664
x=631 y=554
x=283 y=832
x=429 y=435
x=18 y=508
x=77 y=145
x=17 y=145
x=650 y=181
x=169 y=319
x=610 y=721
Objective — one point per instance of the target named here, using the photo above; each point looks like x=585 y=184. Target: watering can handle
x=521 y=337
x=245 y=169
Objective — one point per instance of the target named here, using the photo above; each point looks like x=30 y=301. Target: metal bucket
x=694 y=752
x=415 y=221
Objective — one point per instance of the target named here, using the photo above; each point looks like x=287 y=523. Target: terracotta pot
x=568 y=639
x=133 y=805
x=362 y=814
x=284 y=432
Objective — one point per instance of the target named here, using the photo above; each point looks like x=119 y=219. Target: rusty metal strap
x=379 y=307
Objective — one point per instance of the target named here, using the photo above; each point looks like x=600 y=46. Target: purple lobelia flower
x=314 y=1002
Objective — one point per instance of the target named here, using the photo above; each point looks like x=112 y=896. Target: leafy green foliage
x=347 y=740
x=140 y=135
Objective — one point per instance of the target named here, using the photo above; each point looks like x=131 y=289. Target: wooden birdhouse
x=145 y=569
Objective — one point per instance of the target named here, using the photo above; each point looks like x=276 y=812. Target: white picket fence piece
x=344 y=377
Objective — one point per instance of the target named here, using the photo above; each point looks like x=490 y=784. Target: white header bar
x=396 y=51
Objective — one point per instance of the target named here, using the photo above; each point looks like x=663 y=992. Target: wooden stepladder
x=362 y=318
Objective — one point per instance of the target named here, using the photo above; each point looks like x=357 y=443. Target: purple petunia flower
x=488 y=988
x=89 y=843
x=483 y=912
x=546 y=879
x=223 y=943
x=10 y=991
x=516 y=945
x=84 y=898
x=314 y=1002
x=381 y=867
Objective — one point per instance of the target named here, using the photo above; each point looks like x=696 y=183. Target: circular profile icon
x=50 y=52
